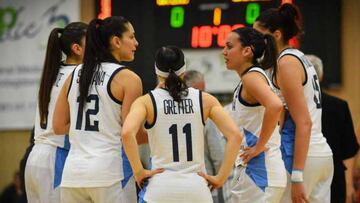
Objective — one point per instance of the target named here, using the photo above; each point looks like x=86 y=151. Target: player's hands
x=298 y=193
x=214 y=182
x=145 y=174
x=251 y=152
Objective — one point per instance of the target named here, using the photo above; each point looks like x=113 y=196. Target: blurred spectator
x=13 y=193
x=337 y=127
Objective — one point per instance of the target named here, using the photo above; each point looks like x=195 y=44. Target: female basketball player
x=307 y=156
x=91 y=107
x=174 y=116
x=260 y=175
x=45 y=164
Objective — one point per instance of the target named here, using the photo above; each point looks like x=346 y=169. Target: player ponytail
x=262 y=46
x=97 y=49
x=170 y=64
x=287 y=19
x=60 y=40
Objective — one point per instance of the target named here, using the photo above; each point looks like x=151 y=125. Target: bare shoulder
x=290 y=70
x=209 y=100
x=250 y=77
x=288 y=63
x=127 y=76
x=145 y=99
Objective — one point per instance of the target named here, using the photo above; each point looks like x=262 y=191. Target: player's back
x=44 y=132
x=176 y=139
x=94 y=132
x=312 y=93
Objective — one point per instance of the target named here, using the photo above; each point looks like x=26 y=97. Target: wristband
x=297 y=176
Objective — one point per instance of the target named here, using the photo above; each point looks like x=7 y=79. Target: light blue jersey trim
x=287 y=141
x=66 y=142
x=256 y=168
x=142 y=193
x=60 y=158
x=128 y=173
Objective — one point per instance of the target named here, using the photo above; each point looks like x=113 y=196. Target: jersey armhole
x=201 y=107
x=273 y=81
x=150 y=125
x=72 y=78
x=245 y=103
x=306 y=78
x=109 y=86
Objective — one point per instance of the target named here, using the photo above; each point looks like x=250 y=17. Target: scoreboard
x=204 y=24
x=201 y=26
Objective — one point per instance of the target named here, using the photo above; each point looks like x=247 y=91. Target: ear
x=116 y=42
x=247 y=51
x=277 y=35
x=76 y=49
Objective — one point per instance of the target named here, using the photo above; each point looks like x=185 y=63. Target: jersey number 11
x=187 y=131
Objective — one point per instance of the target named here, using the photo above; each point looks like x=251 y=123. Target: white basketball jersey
x=176 y=140
x=318 y=146
x=44 y=133
x=267 y=169
x=96 y=154
x=176 y=137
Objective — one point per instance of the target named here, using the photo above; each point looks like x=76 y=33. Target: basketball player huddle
x=91 y=116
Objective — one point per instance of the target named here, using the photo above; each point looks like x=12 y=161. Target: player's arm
x=214 y=111
x=257 y=87
x=133 y=122
x=290 y=77
x=127 y=87
x=61 y=117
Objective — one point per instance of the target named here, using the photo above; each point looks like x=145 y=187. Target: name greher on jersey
x=185 y=106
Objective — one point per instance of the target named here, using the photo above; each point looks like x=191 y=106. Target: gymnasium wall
x=14 y=143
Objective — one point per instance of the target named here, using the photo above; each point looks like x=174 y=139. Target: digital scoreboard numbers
x=204 y=24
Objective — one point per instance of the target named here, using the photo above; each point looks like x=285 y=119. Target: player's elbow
x=126 y=135
x=275 y=106
x=304 y=123
x=60 y=129
x=236 y=138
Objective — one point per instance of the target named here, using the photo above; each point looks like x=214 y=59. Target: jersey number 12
x=89 y=112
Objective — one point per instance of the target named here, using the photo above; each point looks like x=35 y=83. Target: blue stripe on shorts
x=256 y=168
x=288 y=141
x=60 y=158
x=128 y=173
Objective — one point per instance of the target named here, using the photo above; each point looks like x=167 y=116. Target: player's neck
x=73 y=60
x=244 y=68
x=283 y=47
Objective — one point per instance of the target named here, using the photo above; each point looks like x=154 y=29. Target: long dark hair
x=97 y=48
x=170 y=59
x=287 y=18
x=60 y=40
x=263 y=46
